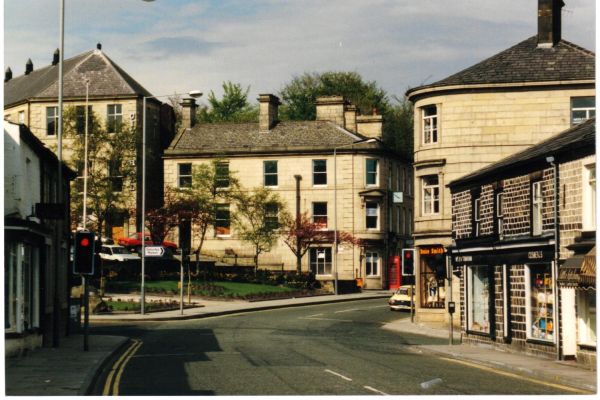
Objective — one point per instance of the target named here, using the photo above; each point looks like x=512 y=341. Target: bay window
x=431 y=195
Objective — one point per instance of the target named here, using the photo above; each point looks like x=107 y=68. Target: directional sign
x=154 y=251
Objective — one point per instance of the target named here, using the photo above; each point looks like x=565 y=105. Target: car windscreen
x=120 y=250
x=403 y=291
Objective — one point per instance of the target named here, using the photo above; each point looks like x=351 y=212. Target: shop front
x=508 y=298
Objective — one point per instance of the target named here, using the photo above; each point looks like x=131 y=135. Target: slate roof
x=284 y=134
x=580 y=138
x=526 y=62
x=106 y=79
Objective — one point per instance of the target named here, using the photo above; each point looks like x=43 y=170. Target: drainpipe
x=550 y=160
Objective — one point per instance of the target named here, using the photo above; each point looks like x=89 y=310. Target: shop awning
x=578 y=271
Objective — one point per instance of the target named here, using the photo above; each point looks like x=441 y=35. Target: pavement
x=68 y=370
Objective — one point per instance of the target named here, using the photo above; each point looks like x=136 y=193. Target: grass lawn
x=235 y=288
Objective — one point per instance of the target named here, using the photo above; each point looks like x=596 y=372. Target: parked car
x=401 y=299
x=134 y=241
x=111 y=252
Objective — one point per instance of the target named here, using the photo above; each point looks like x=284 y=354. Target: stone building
x=517 y=259
x=500 y=106
x=296 y=160
x=114 y=96
x=35 y=280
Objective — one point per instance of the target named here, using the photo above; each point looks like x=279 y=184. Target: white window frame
x=317 y=251
x=222 y=219
x=315 y=173
x=435 y=195
x=537 y=204
x=372 y=257
x=180 y=175
x=589 y=197
x=320 y=215
x=589 y=111
x=376 y=173
x=528 y=316
x=276 y=173
x=429 y=136
x=117 y=115
x=54 y=119
x=477 y=217
x=500 y=213
x=377 y=216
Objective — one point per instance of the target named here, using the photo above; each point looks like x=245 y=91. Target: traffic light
x=408 y=262
x=83 y=253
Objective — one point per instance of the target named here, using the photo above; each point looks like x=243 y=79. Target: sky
x=172 y=46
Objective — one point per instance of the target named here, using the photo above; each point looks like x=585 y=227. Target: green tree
x=233 y=107
x=257 y=219
x=298 y=103
x=109 y=167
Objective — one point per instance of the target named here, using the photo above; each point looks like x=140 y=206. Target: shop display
x=479 y=312
x=542 y=307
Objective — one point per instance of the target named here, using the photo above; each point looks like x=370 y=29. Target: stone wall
x=462 y=215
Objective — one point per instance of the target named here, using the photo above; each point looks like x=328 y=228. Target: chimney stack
x=549 y=22
x=370 y=126
x=55 y=58
x=331 y=108
x=269 y=111
x=7 y=75
x=28 y=67
x=350 y=113
x=99 y=46
x=188 y=117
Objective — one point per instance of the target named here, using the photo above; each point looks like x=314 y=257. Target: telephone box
x=394 y=272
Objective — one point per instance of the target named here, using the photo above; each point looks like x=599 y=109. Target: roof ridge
x=83 y=56
x=576 y=47
x=50 y=66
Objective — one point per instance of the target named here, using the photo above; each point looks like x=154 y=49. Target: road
x=329 y=349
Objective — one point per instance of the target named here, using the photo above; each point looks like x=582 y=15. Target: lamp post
x=335 y=233
x=85 y=167
x=194 y=94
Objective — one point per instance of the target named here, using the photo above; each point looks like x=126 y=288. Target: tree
x=300 y=233
x=233 y=107
x=298 y=103
x=257 y=219
x=111 y=148
x=160 y=221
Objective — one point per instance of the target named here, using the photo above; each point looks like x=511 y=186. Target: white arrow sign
x=154 y=251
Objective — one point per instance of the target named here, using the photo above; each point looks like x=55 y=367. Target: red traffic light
x=85 y=242
x=407 y=255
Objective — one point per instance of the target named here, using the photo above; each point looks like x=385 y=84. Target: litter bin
x=75 y=315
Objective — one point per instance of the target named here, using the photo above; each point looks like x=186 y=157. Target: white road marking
x=316 y=315
x=340 y=375
x=165 y=355
x=354 y=309
x=431 y=383
x=376 y=391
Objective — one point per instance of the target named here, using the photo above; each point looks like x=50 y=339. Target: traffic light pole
x=86 y=320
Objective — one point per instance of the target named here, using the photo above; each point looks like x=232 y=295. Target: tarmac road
x=327 y=349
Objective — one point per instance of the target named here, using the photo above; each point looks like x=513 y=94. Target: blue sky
x=180 y=45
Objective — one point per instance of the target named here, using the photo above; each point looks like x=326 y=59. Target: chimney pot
x=7 y=75
x=374 y=111
x=28 y=67
x=55 y=58
x=99 y=46
x=549 y=22
x=269 y=111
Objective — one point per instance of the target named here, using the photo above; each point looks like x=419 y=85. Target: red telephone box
x=394 y=272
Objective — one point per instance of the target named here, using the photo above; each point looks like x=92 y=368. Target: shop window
x=478 y=308
x=270 y=173
x=222 y=220
x=430 y=134
x=372 y=264
x=500 y=214
x=51 y=121
x=271 y=216
x=372 y=215
x=589 y=197
x=114 y=118
x=432 y=277
x=10 y=287
x=184 y=175
x=536 y=208
x=319 y=172
x=320 y=260
x=431 y=195
x=582 y=108
x=320 y=216
x=222 y=175
x=586 y=308
x=372 y=172
x=21 y=288
x=540 y=302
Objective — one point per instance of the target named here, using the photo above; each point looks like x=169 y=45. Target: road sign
x=154 y=251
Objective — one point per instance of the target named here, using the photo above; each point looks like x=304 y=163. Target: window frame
x=583 y=317
x=313 y=255
x=377 y=216
x=115 y=174
x=222 y=180
x=271 y=219
x=477 y=218
x=271 y=174
x=373 y=259
x=52 y=119
x=529 y=305
x=116 y=115
x=181 y=176
x=589 y=196
x=80 y=119
x=21 y=117
x=429 y=120
x=374 y=173
x=223 y=207
x=589 y=111
x=499 y=213
x=318 y=218
x=470 y=299
x=435 y=188
x=537 y=205
x=319 y=173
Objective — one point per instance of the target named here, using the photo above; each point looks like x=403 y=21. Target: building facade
x=296 y=160
x=114 y=97
x=480 y=115
x=525 y=282
x=35 y=276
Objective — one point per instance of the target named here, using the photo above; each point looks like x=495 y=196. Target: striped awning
x=578 y=271
x=587 y=275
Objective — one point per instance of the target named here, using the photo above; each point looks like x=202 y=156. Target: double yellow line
x=118 y=369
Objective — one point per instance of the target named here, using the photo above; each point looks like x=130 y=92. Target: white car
x=401 y=299
x=112 y=252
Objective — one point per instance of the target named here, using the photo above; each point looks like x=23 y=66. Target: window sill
x=478 y=333
x=541 y=341
x=591 y=346
x=223 y=236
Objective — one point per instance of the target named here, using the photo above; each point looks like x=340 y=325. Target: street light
x=335 y=233
x=85 y=166
x=194 y=94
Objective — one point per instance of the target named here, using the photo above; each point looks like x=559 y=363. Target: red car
x=135 y=240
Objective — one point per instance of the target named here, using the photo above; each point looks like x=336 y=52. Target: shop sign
x=535 y=255
x=431 y=251
x=568 y=277
x=460 y=259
